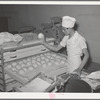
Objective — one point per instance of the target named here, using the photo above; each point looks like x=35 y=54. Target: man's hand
x=41 y=37
x=77 y=71
x=42 y=40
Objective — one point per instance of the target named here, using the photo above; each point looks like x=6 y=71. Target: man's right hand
x=41 y=37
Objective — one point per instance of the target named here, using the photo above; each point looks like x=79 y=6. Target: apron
x=73 y=63
x=74 y=54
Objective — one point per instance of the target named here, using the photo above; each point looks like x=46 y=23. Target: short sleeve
x=63 y=43
x=82 y=43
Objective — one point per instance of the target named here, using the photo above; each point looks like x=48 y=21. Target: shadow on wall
x=76 y=26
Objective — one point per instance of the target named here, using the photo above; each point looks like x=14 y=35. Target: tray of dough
x=49 y=63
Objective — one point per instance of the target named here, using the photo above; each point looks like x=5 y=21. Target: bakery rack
x=21 y=51
x=12 y=53
x=2 y=74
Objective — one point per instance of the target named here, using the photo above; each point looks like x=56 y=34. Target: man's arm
x=85 y=58
x=84 y=61
x=52 y=47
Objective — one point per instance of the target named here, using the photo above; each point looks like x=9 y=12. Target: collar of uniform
x=73 y=37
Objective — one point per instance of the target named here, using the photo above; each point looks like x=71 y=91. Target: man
x=75 y=43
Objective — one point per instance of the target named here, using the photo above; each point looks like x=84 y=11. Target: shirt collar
x=74 y=36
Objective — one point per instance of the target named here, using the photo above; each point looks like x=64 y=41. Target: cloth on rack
x=29 y=36
x=7 y=37
x=94 y=75
x=93 y=79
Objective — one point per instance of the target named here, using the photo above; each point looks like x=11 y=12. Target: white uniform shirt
x=74 y=49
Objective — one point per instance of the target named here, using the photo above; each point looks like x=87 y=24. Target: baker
x=75 y=44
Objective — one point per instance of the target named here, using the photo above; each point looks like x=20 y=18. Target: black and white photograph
x=50 y=48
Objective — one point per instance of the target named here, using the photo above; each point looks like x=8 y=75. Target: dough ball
x=28 y=64
x=58 y=57
x=53 y=61
x=33 y=58
x=48 y=56
x=56 y=63
x=41 y=55
x=33 y=61
x=30 y=68
x=35 y=65
x=38 y=63
x=18 y=67
x=14 y=69
x=47 y=60
x=49 y=64
x=38 y=59
x=63 y=62
x=44 y=65
x=58 y=60
x=40 y=35
x=28 y=59
x=48 y=53
x=52 y=58
x=8 y=66
x=14 y=64
x=25 y=69
x=66 y=64
x=53 y=55
x=21 y=72
x=24 y=60
x=42 y=58
x=43 y=62
x=20 y=62
x=63 y=58
x=23 y=65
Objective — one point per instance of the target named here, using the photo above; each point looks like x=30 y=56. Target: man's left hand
x=78 y=71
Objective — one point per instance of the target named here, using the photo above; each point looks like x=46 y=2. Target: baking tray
x=51 y=71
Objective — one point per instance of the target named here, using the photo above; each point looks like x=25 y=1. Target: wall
x=88 y=18
x=1 y=11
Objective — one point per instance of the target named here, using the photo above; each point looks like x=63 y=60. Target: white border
x=16 y=95
x=30 y=95
x=52 y=2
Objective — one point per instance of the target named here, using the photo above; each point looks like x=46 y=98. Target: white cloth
x=7 y=37
x=68 y=21
x=94 y=75
x=74 y=49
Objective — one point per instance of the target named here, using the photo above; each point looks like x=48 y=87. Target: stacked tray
x=49 y=63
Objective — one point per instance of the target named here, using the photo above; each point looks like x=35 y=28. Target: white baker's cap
x=68 y=21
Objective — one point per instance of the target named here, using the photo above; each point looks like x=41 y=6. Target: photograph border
x=67 y=96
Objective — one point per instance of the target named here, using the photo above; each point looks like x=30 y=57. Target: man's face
x=66 y=31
